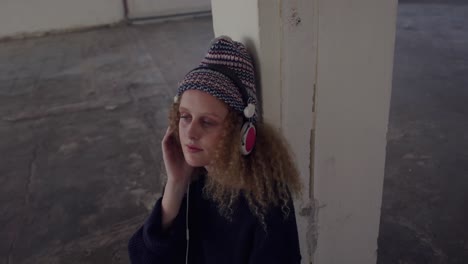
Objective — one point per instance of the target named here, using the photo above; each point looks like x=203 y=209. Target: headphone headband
x=226 y=71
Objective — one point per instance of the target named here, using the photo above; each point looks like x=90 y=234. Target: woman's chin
x=195 y=162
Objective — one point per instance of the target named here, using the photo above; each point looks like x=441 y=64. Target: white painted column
x=325 y=69
x=355 y=61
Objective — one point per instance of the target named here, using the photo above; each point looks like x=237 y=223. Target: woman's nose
x=193 y=131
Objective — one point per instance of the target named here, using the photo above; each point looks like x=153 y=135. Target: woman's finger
x=168 y=134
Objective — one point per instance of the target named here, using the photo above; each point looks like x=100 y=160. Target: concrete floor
x=425 y=200
x=81 y=118
x=82 y=114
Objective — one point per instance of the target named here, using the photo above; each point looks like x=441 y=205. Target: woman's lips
x=193 y=149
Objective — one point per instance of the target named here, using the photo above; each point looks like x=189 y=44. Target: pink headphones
x=248 y=135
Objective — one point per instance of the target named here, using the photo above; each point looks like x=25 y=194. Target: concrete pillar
x=325 y=71
x=354 y=76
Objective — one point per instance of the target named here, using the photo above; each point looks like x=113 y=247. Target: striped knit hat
x=227 y=73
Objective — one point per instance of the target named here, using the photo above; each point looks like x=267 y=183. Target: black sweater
x=213 y=238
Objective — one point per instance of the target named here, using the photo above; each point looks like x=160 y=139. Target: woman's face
x=200 y=126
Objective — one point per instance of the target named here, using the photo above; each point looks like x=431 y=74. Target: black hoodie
x=214 y=238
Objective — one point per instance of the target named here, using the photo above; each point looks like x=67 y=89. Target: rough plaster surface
x=354 y=70
x=298 y=67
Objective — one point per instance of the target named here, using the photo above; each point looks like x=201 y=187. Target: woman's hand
x=177 y=169
x=178 y=178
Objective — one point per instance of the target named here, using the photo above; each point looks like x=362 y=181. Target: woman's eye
x=208 y=123
x=184 y=117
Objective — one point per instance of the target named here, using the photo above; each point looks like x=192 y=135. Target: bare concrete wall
x=145 y=8
x=23 y=16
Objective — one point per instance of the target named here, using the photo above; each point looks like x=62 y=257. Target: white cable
x=186 y=225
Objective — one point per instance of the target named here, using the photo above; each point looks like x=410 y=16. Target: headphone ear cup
x=248 y=136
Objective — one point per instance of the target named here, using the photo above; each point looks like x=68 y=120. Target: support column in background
x=325 y=69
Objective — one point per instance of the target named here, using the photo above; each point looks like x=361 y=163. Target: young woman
x=230 y=177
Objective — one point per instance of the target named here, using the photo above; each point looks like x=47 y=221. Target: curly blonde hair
x=266 y=177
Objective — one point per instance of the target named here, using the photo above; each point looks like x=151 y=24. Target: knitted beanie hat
x=227 y=73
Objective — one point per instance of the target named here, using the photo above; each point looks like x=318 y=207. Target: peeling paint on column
x=294 y=19
x=311 y=159
x=310 y=212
